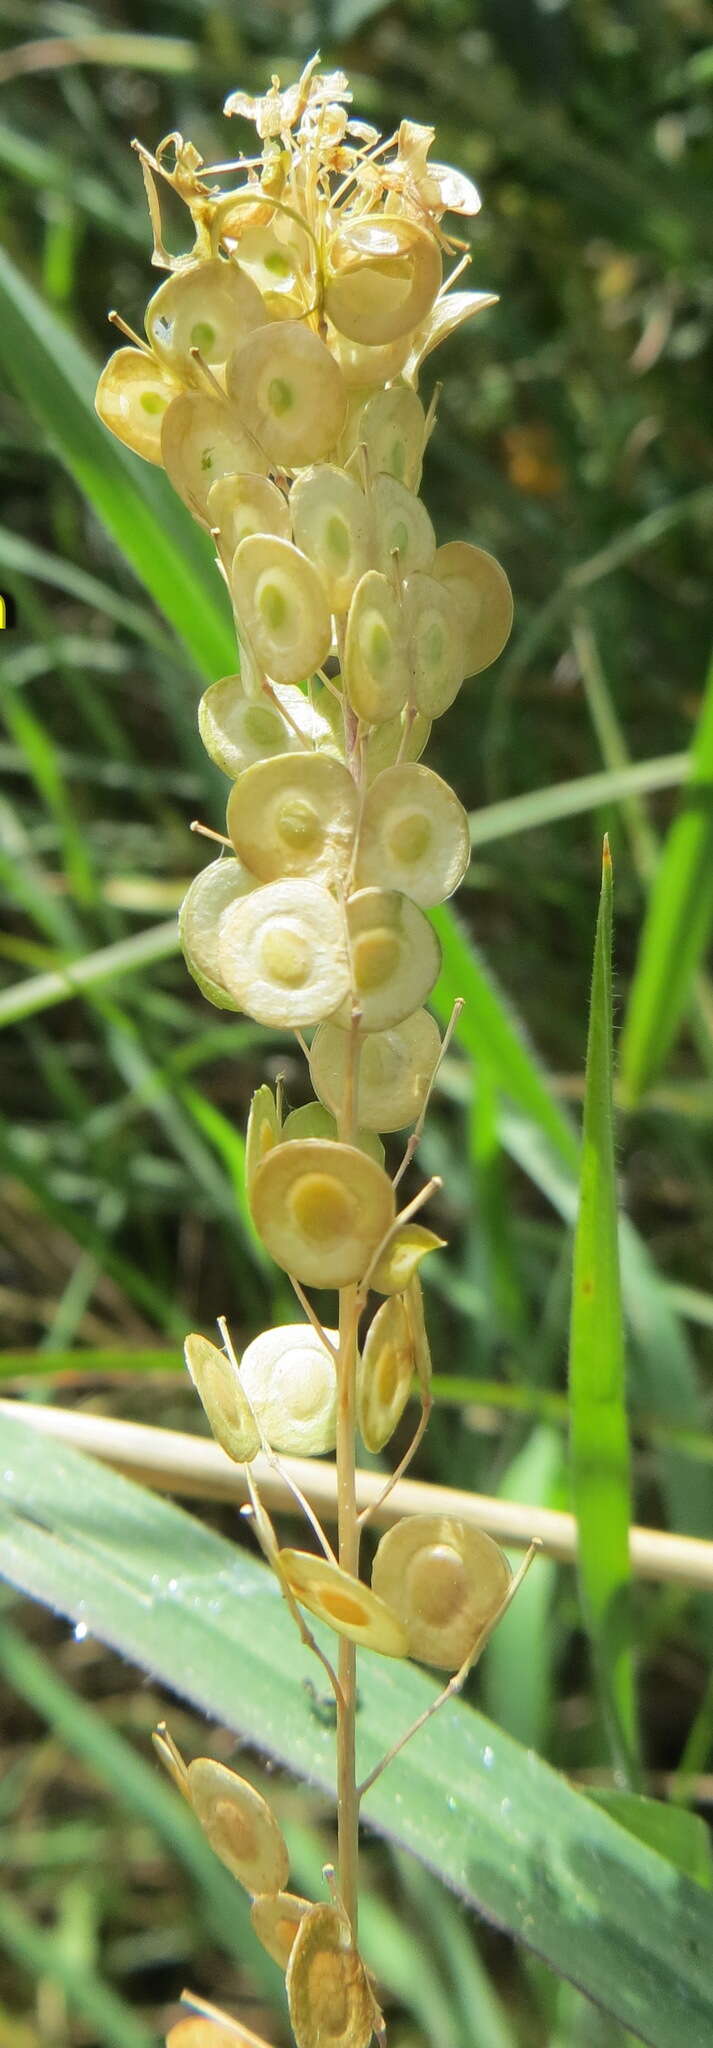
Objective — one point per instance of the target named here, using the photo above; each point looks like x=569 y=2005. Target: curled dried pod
x=288 y=389
x=264 y=1130
x=312 y=1120
x=414 y=835
x=329 y=1996
x=204 y=306
x=224 y=882
x=376 y=664
x=290 y=1381
x=383 y=275
x=385 y=1376
x=338 y=1598
x=244 y=504
x=201 y=440
x=218 y=1384
x=395 y=1069
x=132 y=397
x=283 y=955
x=296 y=815
x=395 y=958
x=402 y=527
x=331 y=525
x=237 y=729
x=391 y=426
x=403 y=1255
x=403 y=738
x=446 y=1581
x=436 y=644
x=480 y=590
x=239 y=1824
x=322 y=1209
x=276 y=1921
x=282 y=608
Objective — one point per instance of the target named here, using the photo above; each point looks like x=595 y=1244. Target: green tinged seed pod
x=391 y=427
x=395 y=957
x=264 y=1130
x=238 y=729
x=289 y=391
x=132 y=397
x=211 y=894
x=396 y=1068
x=385 y=1375
x=383 y=276
x=219 y=1386
x=404 y=737
x=240 y=1826
x=436 y=644
x=247 y=504
x=331 y=524
x=283 y=954
x=414 y=835
x=201 y=440
x=402 y=529
x=322 y=1209
x=297 y=816
x=312 y=1120
x=204 y=306
x=290 y=1380
x=281 y=607
x=376 y=665
x=447 y=1582
x=480 y=589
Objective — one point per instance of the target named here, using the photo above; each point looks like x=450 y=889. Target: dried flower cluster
x=278 y=388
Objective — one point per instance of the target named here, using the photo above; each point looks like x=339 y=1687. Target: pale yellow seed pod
x=218 y=1385
x=414 y=835
x=290 y=1381
x=449 y=313
x=366 y=369
x=395 y=1070
x=322 y=1210
x=289 y=391
x=247 y=504
x=312 y=1120
x=237 y=729
x=349 y=1607
x=276 y=1921
x=297 y=815
x=224 y=882
x=199 y=2032
x=384 y=272
x=395 y=958
x=376 y=664
x=392 y=429
x=331 y=525
x=264 y=1130
x=331 y=2004
x=277 y=258
x=387 y=743
x=447 y=1582
x=480 y=589
x=403 y=1255
x=207 y=306
x=385 y=1375
x=240 y=1826
x=201 y=439
x=402 y=527
x=283 y=954
x=413 y=1297
x=132 y=397
x=436 y=644
x=281 y=606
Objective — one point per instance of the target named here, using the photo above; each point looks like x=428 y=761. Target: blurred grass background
x=574 y=440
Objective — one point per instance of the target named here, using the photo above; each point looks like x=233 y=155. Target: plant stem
x=348 y=1534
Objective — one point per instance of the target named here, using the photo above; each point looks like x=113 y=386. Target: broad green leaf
x=682 y=1837
x=500 y=1827
x=599 y=1437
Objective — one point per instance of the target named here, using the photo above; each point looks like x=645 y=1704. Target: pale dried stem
x=424 y=1195
x=206 y=832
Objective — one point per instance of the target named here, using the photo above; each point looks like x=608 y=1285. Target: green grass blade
x=683 y=1838
x=538 y=807
x=502 y=1829
x=599 y=1438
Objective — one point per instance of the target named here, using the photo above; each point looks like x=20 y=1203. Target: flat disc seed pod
x=331 y=525
x=448 y=1583
x=436 y=644
x=290 y=392
x=322 y=1209
x=277 y=258
x=392 y=428
x=365 y=368
x=402 y=527
x=395 y=1070
x=201 y=440
x=297 y=816
x=349 y=1607
x=395 y=957
x=331 y=2005
x=314 y=1121
x=283 y=954
x=385 y=1375
x=276 y=1921
x=207 y=306
x=238 y=730
x=290 y=1380
x=282 y=607
x=132 y=397
x=383 y=277
x=239 y=1825
x=219 y=1387
x=389 y=741
x=376 y=665
x=247 y=504
x=414 y=835
x=212 y=892
x=480 y=588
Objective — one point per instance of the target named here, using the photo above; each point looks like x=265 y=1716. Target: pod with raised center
x=376 y=665
x=290 y=1380
x=330 y=2000
x=402 y=528
x=239 y=1824
x=211 y=893
x=349 y=1607
x=479 y=588
x=276 y=1921
x=283 y=955
x=446 y=1581
x=436 y=645
x=385 y=1375
x=207 y=306
x=414 y=835
x=331 y=524
x=217 y=1382
x=395 y=1069
x=247 y=504
x=201 y=439
x=392 y=429
x=296 y=815
x=395 y=958
x=281 y=606
x=312 y=1120
x=322 y=1209
x=132 y=397
x=288 y=389
x=277 y=258
x=237 y=729
x=382 y=277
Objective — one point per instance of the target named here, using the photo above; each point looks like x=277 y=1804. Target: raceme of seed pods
x=277 y=387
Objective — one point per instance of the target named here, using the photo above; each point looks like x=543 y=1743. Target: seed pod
x=321 y=1210
x=387 y=743
x=276 y=256
x=395 y=1069
x=247 y=504
x=395 y=958
x=237 y=730
x=331 y=2004
x=283 y=954
x=132 y=397
x=376 y=667
x=211 y=893
x=207 y=306
x=289 y=391
x=402 y=527
x=240 y=1826
x=383 y=276
x=414 y=835
x=480 y=589
x=218 y=1385
x=290 y=1381
x=264 y=1130
x=413 y=1296
x=392 y=429
x=297 y=816
x=276 y=1921
x=331 y=525
x=449 y=313
x=281 y=606
x=447 y=1582
x=402 y=1257
x=436 y=644
x=201 y=440
x=365 y=368
x=197 y=2031
x=314 y=1121
x=385 y=1376
x=349 y=1607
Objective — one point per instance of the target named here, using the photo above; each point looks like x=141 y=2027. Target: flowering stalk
x=278 y=388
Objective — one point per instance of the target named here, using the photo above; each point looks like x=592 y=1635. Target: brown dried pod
x=297 y=815
x=276 y=1921
x=338 y=1598
x=446 y=1581
x=385 y=1375
x=239 y=1825
x=330 y=2000
x=322 y=1209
